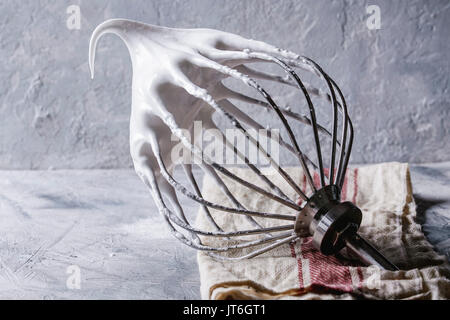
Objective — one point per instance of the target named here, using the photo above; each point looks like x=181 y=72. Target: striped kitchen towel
x=298 y=271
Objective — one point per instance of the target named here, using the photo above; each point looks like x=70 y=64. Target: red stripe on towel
x=300 y=200
x=316 y=180
x=299 y=265
x=344 y=189
x=305 y=184
x=360 y=276
x=326 y=273
x=355 y=183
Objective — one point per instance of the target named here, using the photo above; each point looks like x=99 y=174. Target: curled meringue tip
x=109 y=26
x=91 y=72
x=101 y=29
x=92 y=48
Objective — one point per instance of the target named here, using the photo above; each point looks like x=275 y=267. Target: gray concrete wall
x=53 y=116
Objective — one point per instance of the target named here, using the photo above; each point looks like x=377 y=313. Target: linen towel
x=298 y=271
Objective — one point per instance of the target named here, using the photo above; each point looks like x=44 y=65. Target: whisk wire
x=343 y=159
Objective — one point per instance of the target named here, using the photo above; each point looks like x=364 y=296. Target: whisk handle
x=367 y=253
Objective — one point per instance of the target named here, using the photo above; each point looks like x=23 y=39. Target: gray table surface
x=105 y=224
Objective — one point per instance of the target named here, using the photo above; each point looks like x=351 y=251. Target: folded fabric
x=298 y=271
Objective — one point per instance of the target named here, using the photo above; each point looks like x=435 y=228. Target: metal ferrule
x=334 y=225
x=327 y=219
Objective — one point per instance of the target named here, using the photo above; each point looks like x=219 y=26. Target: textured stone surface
x=53 y=116
x=105 y=222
